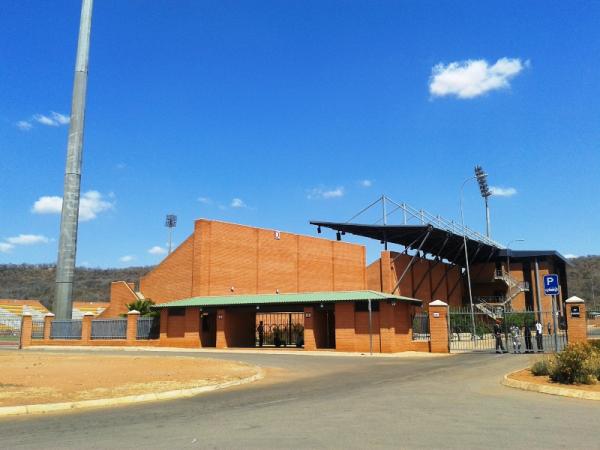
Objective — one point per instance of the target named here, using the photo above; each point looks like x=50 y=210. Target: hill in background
x=36 y=281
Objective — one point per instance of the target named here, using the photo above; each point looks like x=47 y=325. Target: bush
x=575 y=364
x=541 y=367
x=595 y=343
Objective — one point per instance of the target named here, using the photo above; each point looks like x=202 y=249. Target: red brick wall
x=219 y=256
x=172 y=279
x=121 y=294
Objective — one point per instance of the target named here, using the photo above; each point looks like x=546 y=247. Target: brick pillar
x=438 y=327
x=345 y=334
x=387 y=326
x=576 y=320
x=310 y=342
x=192 y=325
x=48 y=318
x=132 y=323
x=86 y=328
x=26 y=330
x=164 y=323
x=221 y=329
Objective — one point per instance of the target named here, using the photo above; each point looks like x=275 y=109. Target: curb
x=44 y=408
x=552 y=390
x=242 y=351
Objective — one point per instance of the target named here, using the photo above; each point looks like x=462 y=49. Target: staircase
x=494 y=306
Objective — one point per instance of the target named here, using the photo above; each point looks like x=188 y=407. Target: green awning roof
x=295 y=298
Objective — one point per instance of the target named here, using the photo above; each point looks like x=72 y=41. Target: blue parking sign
x=551 y=284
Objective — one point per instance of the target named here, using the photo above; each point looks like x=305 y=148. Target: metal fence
x=66 y=329
x=519 y=331
x=280 y=329
x=420 y=327
x=593 y=324
x=37 y=329
x=10 y=329
x=109 y=329
x=148 y=327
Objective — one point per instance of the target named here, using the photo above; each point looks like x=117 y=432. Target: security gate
x=10 y=329
x=280 y=329
x=520 y=331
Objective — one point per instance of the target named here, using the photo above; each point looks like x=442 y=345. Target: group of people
x=515 y=333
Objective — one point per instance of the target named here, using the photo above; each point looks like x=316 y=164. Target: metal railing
x=109 y=329
x=593 y=324
x=148 y=328
x=10 y=328
x=66 y=329
x=37 y=329
x=420 y=327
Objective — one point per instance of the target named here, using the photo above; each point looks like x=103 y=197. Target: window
x=363 y=306
x=176 y=312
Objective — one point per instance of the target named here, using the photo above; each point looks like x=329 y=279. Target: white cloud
x=571 y=256
x=5 y=247
x=27 y=239
x=120 y=166
x=24 y=125
x=157 y=250
x=54 y=120
x=320 y=193
x=237 y=203
x=205 y=200
x=61 y=119
x=126 y=258
x=91 y=204
x=366 y=183
x=503 y=192
x=471 y=78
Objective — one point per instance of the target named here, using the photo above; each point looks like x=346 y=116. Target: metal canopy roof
x=439 y=242
x=430 y=239
x=294 y=298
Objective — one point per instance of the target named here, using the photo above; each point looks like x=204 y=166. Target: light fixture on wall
x=338 y=236
x=232 y=289
x=319 y=229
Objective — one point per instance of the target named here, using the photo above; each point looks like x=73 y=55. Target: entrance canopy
x=427 y=238
x=283 y=299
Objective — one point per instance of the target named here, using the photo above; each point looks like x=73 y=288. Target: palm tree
x=143 y=306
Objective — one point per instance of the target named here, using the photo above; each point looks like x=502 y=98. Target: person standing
x=515 y=332
x=528 y=343
x=498 y=335
x=539 y=329
x=261 y=333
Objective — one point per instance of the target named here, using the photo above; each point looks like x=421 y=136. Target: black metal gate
x=516 y=331
x=280 y=329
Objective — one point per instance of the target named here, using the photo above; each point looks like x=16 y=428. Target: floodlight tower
x=170 y=223
x=69 y=221
x=485 y=193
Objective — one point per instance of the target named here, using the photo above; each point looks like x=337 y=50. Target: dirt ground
x=36 y=377
x=526 y=375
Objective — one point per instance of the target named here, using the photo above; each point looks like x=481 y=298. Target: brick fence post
x=310 y=342
x=576 y=320
x=438 y=327
x=132 y=324
x=48 y=318
x=86 y=328
x=26 y=330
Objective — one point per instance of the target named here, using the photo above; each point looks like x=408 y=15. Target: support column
x=221 y=329
x=192 y=326
x=310 y=341
x=576 y=320
x=387 y=327
x=26 y=330
x=164 y=324
x=86 y=328
x=48 y=318
x=438 y=327
x=132 y=325
x=345 y=333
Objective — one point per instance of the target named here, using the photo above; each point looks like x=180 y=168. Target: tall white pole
x=67 y=248
x=462 y=219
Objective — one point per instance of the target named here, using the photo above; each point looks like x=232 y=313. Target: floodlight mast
x=486 y=193
x=170 y=223
x=67 y=248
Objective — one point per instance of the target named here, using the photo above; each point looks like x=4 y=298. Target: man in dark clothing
x=528 y=343
x=261 y=333
x=498 y=335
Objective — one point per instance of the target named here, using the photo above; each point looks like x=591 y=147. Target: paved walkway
x=336 y=402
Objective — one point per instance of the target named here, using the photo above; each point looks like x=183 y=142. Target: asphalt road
x=336 y=402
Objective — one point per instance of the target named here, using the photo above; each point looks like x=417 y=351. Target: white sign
x=277 y=235
x=436 y=315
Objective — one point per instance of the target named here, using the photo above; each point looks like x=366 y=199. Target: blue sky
x=275 y=113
